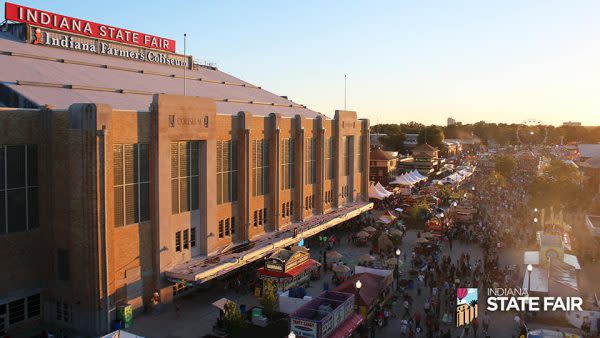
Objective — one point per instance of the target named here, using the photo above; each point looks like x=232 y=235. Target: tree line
x=501 y=134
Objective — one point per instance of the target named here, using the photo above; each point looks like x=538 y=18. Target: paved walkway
x=196 y=315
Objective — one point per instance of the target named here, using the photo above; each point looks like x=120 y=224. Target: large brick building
x=114 y=186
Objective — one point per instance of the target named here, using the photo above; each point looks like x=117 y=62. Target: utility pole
x=186 y=62
x=345 y=76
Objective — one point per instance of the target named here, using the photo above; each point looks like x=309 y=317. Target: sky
x=424 y=61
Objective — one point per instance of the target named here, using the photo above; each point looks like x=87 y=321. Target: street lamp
x=454 y=203
x=535 y=210
x=529 y=269
x=535 y=220
x=473 y=188
x=358 y=285
x=292 y=335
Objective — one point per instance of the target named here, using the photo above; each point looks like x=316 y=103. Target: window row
x=260 y=217
x=185 y=176
x=19 y=310
x=64 y=312
x=311 y=161
x=226 y=171
x=260 y=167
x=344 y=191
x=329 y=159
x=287 y=209
x=227 y=227
x=360 y=153
x=288 y=160
x=18 y=188
x=189 y=239
x=309 y=202
x=328 y=197
x=131 y=176
x=347 y=143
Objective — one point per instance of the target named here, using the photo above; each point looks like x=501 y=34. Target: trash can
x=125 y=315
x=116 y=325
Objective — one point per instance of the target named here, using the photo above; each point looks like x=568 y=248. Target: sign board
x=36 y=17
x=274 y=267
x=58 y=39
x=304 y=328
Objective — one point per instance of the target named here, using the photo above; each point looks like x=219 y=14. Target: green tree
x=505 y=165
x=232 y=316
x=560 y=188
x=269 y=298
x=394 y=142
x=432 y=135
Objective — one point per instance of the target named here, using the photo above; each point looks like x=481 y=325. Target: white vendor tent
x=380 y=187
x=121 y=334
x=533 y=258
x=374 y=193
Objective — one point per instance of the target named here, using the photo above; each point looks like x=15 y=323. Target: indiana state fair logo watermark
x=466 y=305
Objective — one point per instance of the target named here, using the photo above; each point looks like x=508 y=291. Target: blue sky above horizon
x=501 y=61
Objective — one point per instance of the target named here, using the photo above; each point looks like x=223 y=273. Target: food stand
x=375 y=290
x=287 y=268
x=331 y=314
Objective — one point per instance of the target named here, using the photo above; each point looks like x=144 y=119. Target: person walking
x=475 y=325
x=486 y=322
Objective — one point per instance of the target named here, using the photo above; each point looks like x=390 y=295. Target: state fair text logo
x=518 y=299
x=466 y=305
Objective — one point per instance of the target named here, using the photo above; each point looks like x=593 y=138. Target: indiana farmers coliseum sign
x=55 y=30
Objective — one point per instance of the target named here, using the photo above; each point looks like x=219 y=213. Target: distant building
x=451 y=121
x=382 y=164
x=589 y=164
x=571 y=124
x=410 y=140
x=453 y=146
x=425 y=159
x=376 y=140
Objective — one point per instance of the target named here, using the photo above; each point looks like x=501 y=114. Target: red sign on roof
x=64 y=23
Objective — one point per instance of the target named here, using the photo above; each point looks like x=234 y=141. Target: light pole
x=398 y=252
x=529 y=269
x=358 y=285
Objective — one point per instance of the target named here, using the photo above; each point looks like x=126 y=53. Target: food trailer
x=331 y=314
x=288 y=269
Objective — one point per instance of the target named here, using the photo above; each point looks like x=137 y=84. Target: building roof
x=589 y=150
x=60 y=77
x=381 y=155
x=372 y=286
x=424 y=147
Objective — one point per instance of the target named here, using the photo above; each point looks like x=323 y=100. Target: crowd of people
x=426 y=302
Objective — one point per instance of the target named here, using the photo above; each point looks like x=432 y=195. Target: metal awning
x=201 y=269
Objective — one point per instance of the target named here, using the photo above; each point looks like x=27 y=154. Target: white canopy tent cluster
x=409 y=179
x=377 y=191
x=456 y=178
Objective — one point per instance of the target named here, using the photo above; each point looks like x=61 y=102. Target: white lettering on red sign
x=64 y=23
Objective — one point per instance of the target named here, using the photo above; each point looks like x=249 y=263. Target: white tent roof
x=374 y=193
x=533 y=258
x=418 y=174
x=121 y=334
x=539 y=280
x=412 y=177
x=402 y=180
x=380 y=187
